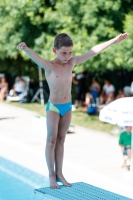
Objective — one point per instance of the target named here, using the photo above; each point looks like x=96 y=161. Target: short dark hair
x=95 y=78
x=61 y=40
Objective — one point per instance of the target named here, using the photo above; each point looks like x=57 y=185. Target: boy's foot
x=61 y=178
x=128 y=167
x=53 y=183
x=84 y=108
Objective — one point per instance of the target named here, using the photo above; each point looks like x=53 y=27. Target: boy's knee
x=51 y=140
x=61 y=139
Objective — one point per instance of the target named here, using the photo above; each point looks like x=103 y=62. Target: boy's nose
x=67 y=56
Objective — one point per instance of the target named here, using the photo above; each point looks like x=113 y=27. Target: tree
x=88 y=23
x=91 y=22
x=22 y=21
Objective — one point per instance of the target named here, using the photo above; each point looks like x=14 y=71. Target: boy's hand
x=121 y=37
x=22 y=46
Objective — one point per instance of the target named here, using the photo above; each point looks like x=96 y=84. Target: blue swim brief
x=61 y=109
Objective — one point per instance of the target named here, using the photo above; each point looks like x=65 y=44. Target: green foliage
x=128 y=46
x=88 y=22
x=21 y=21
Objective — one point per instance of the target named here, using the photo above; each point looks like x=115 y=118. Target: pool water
x=18 y=183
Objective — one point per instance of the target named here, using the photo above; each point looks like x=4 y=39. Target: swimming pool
x=18 y=183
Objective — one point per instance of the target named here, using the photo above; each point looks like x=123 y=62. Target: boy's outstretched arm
x=45 y=64
x=99 y=48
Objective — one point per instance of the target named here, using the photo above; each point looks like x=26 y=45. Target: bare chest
x=59 y=76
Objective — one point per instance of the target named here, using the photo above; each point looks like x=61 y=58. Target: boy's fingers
x=21 y=45
x=18 y=47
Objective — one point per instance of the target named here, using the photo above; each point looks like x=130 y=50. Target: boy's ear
x=54 y=50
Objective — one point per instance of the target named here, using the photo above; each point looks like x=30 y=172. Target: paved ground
x=90 y=156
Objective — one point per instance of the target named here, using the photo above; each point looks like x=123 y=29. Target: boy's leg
x=76 y=103
x=59 y=149
x=129 y=153
x=52 y=130
x=87 y=99
x=101 y=99
x=2 y=95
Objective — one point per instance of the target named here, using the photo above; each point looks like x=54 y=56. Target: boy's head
x=61 y=40
x=128 y=128
x=94 y=79
x=107 y=81
x=63 y=47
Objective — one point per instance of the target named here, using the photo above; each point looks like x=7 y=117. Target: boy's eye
x=66 y=53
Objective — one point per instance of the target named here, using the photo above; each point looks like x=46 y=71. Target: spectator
x=3 y=88
x=80 y=87
x=120 y=94
x=125 y=143
x=107 y=94
x=127 y=91
x=94 y=92
x=18 y=87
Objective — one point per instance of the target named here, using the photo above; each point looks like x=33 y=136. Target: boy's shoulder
x=124 y=133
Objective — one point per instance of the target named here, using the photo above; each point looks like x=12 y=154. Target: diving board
x=79 y=191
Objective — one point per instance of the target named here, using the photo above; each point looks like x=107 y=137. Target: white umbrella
x=119 y=112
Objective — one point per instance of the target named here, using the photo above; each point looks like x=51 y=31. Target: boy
x=59 y=77
x=125 y=143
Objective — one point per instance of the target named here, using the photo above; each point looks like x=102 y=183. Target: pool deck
x=90 y=156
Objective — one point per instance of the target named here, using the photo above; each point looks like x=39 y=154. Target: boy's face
x=106 y=82
x=129 y=128
x=64 y=53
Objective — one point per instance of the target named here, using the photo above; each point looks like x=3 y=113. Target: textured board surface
x=80 y=191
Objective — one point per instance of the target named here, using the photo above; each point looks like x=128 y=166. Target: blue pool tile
x=18 y=183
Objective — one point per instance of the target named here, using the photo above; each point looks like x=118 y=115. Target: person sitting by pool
x=107 y=94
x=18 y=87
x=94 y=92
x=120 y=94
x=3 y=88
